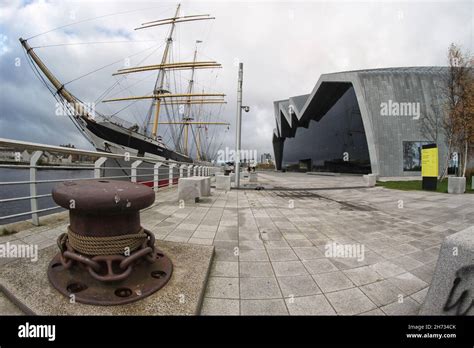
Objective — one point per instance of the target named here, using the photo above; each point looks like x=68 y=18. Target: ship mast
x=161 y=96
x=161 y=75
x=187 y=117
x=80 y=110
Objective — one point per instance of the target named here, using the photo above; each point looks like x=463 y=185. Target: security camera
x=246 y=108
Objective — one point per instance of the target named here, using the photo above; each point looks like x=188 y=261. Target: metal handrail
x=60 y=167
x=67 y=150
x=175 y=170
x=61 y=180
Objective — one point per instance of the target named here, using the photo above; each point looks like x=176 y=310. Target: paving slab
x=333 y=281
x=263 y=307
x=219 y=306
x=309 y=305
x=350 y=302
x=259 y=288
x=298 y=286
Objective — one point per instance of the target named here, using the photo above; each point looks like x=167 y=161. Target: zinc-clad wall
x=386 y=134
x=389 y=132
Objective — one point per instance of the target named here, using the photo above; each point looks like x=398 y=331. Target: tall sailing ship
x=110 y=133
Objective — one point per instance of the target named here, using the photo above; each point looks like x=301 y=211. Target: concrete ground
x=270 y=244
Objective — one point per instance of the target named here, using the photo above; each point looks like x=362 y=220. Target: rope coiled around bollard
x=110 y=245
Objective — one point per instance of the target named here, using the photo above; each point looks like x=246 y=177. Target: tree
x=458 y=120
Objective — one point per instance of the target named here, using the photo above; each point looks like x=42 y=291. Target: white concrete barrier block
x=223 y=182
x=456 y=184
x=253 y=177
x=189 y=189
x=205 y=185
x=370 y=180
x=452 y=288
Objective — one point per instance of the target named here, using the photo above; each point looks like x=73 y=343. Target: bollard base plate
x=77 y=284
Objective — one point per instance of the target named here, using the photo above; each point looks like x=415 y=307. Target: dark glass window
x=412 y=155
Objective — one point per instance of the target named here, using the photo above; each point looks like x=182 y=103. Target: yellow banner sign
x=429 y=162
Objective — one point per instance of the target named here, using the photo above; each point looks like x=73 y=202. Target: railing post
x=97 y=167
x=200 y=170
x=133 y=176
x=181 y=170
x=33 y=187
x=156 y=176
x=190 y=170
x=170 y=176
x=195 y=170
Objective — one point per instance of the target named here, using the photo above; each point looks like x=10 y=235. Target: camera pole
x=238 y=126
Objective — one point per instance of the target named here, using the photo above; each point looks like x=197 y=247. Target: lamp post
x=238 y=130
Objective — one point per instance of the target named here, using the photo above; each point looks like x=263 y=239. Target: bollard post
x=33 y=187
x=181 y=170
x=156 y=176
x=133 y=176
x=170 y=176
x=98 y=167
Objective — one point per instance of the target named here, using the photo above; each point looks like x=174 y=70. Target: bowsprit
x=106 y=257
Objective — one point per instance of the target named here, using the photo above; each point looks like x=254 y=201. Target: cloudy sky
x=285 y=47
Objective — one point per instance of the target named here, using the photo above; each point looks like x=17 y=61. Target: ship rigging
x=112 y=134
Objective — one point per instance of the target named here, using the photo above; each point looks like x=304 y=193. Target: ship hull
x=111 y=138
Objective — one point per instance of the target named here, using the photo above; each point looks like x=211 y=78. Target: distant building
x=366 y=121
x=265 y=158
x=10 y=155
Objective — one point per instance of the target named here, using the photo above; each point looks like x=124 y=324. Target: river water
x=23 y=174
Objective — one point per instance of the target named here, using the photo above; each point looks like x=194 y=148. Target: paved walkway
x=270 y=245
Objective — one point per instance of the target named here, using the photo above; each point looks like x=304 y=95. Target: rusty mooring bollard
x=106 y=257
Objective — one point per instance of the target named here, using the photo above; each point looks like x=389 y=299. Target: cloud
x=285 y=47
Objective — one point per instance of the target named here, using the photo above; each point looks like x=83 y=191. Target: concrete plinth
x=26 y=284
x=205 y=182
x=189 y=189
x=452 y=287
x=370 y=180
x=456 y=184
x=253 y=177
x=223 y=182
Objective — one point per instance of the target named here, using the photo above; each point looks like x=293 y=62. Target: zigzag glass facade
x=337 y=143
